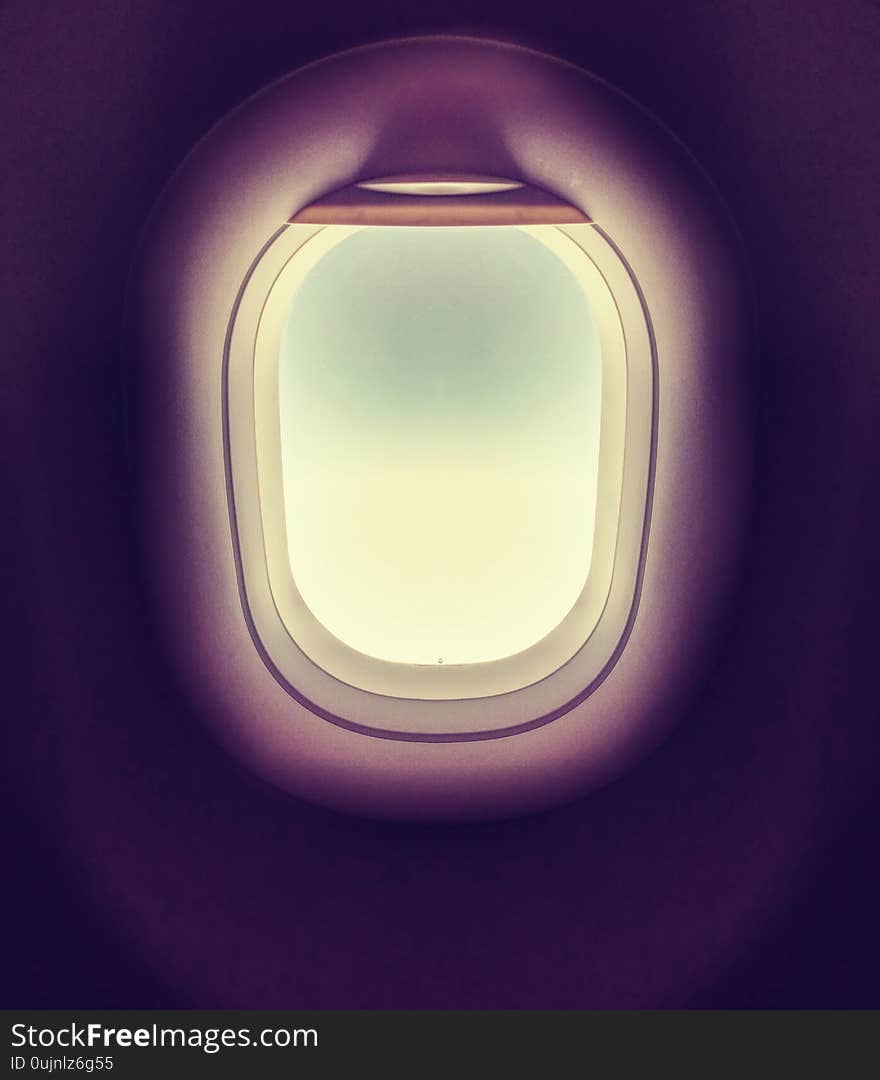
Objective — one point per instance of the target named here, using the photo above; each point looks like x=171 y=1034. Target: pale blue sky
x=440 y=394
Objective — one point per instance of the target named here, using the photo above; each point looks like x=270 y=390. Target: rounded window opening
x=439 y=422
x=439 y=408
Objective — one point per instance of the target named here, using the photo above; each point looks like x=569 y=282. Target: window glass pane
x=440 y=393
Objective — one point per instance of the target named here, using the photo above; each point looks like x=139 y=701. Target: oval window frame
x=431 y=702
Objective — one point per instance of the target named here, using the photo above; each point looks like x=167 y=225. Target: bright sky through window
x=440 y=396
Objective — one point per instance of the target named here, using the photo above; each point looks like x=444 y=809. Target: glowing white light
x=440 y=396
x=440 y=187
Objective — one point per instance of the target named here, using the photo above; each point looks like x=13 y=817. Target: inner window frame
x=445 y=682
